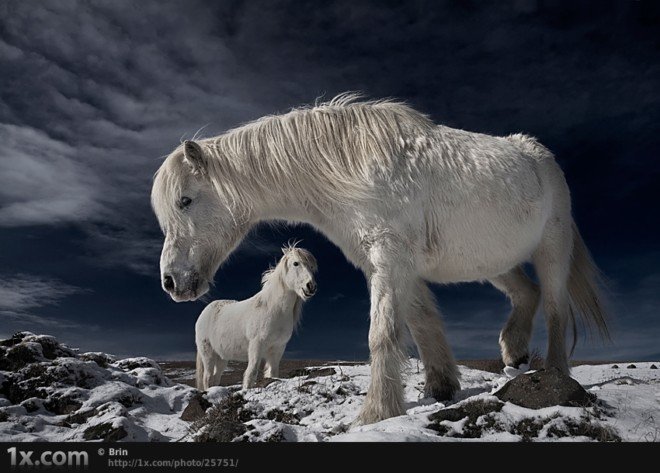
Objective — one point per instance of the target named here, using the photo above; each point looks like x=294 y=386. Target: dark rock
x=20 y=355
x=584 y=427
x=479 y=415
x=196 y=408
x=51 y=348
x=528 y=428
x=221 y=431
x=615 y=367
x=140 y=362
x=451 y=415
x=15 y=339
x=279 y=415
x=545 y=388
x=653 y=367
x=312 y=372
x=631 y=367
x=62 y=405
x=81 y=417
x=105 y=432
x=32 y=404
x=100 y=359
x=17 y=389
x=129 y=399
x=262 y=383
x=4 y=417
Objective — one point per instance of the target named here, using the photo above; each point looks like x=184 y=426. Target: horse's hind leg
x=524 y=296
x=423 y=321
x=552 y=262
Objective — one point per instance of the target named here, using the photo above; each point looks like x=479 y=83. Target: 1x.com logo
x=48 y=458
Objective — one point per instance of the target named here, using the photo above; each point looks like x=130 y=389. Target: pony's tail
x=584 y=288
x=199 y=372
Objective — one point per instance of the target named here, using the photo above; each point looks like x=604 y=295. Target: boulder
x=105 y=432
x=221 y=431
x=196 y=408
x=545 y=388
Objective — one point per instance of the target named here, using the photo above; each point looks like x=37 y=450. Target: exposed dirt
x=184 y=371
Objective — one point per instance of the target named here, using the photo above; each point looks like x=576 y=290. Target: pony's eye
x=295 y=263
x=185 y=201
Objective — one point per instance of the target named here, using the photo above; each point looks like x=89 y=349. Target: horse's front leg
x=389 y=285
x=273 y=358
x=255 y=351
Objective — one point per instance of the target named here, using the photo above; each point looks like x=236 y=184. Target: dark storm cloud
x=93 y=95
x=23 y=293
x=40 y=180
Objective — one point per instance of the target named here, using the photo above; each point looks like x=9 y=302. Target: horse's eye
x=295 y=263
x=185 y=201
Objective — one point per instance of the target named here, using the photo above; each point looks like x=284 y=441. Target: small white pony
x=257 y=328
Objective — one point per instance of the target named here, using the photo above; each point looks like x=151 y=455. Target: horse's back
x=490 y=198
x=209 y=317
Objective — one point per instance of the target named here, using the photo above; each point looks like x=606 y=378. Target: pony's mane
x=305 y=256
x=327 y=151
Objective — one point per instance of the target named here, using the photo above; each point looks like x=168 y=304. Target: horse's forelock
x=169 y=180
x=307 y=258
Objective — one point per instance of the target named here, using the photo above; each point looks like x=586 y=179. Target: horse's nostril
x=168 y=282
x=311 y=287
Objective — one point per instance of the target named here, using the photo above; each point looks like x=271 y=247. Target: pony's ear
x=194 y=156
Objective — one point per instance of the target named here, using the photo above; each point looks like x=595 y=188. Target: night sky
x=94 y=94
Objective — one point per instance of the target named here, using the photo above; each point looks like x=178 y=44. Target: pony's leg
x=254 y=360
x=425 y=325
x=273 y=358
x=524 y=296
x=389 y=285
x=207 y=355
x=552 y=262
x=219 y=366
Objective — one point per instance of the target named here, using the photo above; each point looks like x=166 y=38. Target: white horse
x=408 y=202
x=257 y=328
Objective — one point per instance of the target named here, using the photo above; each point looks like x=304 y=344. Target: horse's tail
x=584 y=288
x=199 y=372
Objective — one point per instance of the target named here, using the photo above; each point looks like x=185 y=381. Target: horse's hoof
x=445 y=393
x=523 y=360
x=512 y=372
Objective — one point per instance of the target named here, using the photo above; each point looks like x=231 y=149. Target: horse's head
x=201 y=228
x=299 y=269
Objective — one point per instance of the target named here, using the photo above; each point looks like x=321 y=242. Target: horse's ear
x=194 y=156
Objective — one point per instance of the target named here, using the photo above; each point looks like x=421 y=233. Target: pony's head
x=200 y=225
x=296 y=271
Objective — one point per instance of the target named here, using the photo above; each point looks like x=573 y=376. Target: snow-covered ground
x=61 y=395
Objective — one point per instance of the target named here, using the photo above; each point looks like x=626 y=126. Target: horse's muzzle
x=185 y=286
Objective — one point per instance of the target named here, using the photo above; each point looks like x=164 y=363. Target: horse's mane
x=328 y=151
